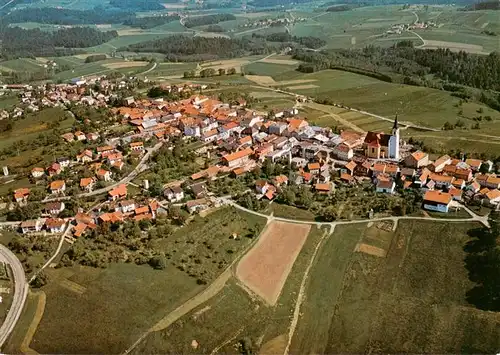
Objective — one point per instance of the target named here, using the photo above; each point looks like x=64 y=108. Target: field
x=233 y=315
x=115 y=305
x=265 y=268
x=412 y=300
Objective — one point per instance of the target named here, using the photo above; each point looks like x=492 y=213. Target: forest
x=143 y=5
x=18 y=42
x=150 y=21
x=402 y=62
x=307 y=41
x=57 y=16
x=183 y=48
x=208 y=20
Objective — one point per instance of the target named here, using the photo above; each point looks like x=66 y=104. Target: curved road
x=20 y=293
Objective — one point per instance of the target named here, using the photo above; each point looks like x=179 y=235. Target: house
x=378 y=169
x=343 y=152
x=37 y=172
x=437 y=201
x=456 y=194
x=54 y=208
x=493 y=197
x=85 y=157
x=55 y=225
x=105 y=149
x=261 y=186
x=137 y=146
x=80 y=136
x=118 y=192
x=474 y=187
x=210 y=136
x=464 y=174
x=493 y=182
x=474 y=164
x=386 y=186
x=440 y=163
x=239 y=158
x=141 y=210
x=87 y=184
x=442 y=181
x=58 y=186
x=323 y=188
x=113 y=217
x=113 y=158
x=280 y=180
x=349 y=168
x=197 y=205
x=199 y=189
x=417 y=160
x=31 y=226
x=68 y=137
x=313 y=168
x=21 y=195
x=347 y=178
x=363 y=169
x=174 y=194
x=408 y=173
x=125 y=206
x=63 y=162
x=103 y=174
x=54 y=169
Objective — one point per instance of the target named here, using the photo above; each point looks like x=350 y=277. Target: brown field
x=265 y=268
x=371 y=250
x=303 y=87
x=85 y=55
x=173 y=6
x=119 y=65
x=279 y=61
x=261 y=79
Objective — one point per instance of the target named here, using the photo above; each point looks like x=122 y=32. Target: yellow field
x=303 y=87
x=454 y=46
x=261 y=79
x=120 y=65
x=279 y=61
x=295 y=82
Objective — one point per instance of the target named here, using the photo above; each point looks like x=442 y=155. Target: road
x=150 y=69
x=138 y=169
x=20 y=293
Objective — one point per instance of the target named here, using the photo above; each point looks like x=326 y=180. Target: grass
x=118 y=303
x=233 y=315
x=7 y=102
x=290 y=212
x=268 y=69
x=411 y=301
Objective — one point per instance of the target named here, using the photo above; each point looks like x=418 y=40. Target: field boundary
x=40 y=309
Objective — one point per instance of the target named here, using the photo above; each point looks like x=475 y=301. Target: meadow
x=412 y=300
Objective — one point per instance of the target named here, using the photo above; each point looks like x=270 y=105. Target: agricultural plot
x=410 y=300
x=271 y=69
x=265 y=268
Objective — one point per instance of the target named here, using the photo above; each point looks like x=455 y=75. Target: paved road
x=150 y=69
x=138 y=169
x=20 y=293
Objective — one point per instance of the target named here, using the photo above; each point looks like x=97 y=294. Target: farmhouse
x=417 y=159
x=239 y=158
x=58 y=186
x=31 y=226
x=118 y=192
x=55 y=225
x=37 y=172
x=437 y=201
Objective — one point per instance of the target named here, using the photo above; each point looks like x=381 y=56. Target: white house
x=386 y=186
x=174 y=194
x=125 y=206
x=31 y=226
x=437 y=201
x=343 y=152
x=55 y=225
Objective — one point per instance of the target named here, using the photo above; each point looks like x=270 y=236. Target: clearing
x=266 y=267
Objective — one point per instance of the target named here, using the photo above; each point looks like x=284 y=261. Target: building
x=118 y=192
x=126 y=206
x=174 y=194
x=37 y=172
x=197 y=205
x=21 y=195
x=58 y=186
x=87 y=184
x=386 y=186
x=103 y=174
x=440 y=163
x=437 y=201
x=493 y=197
x=343 y=152
x=54 y=208
x=417 y=159
x=379 y=145
x=55 y=225
x=261 y=186
x=239 y=158
x=31 y=226
x=137 y=146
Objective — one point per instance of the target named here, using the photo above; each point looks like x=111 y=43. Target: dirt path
x=302 y=291
x=336 y=117
x=40 y=308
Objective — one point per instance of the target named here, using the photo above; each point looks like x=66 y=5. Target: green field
x=115 y=305
x=269 y=69
x=411 y=301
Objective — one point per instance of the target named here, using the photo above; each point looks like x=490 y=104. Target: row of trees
x=306 y=41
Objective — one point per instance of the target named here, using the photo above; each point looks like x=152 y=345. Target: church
x=379 y=145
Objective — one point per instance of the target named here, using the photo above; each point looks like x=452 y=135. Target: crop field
x=265 y=268
x=265 y=68
x=217 y=326
x=411 y=300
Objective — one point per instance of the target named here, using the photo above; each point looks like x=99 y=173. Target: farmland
x=116 y=304
x=413 y=300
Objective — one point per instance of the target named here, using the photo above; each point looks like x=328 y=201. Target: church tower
x=394 y=141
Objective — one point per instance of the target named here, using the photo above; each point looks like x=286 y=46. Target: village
x=229 y=141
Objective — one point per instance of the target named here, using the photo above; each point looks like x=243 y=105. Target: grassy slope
x=411 y=301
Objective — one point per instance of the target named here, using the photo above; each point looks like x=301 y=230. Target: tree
x=40 y=280
x=329 y=213
x=222 y=71
x=158 y=262
x=205 y=73
x=231 y=71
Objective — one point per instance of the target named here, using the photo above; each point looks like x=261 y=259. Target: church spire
x=396 y=125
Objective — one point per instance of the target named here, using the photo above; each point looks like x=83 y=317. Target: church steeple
x=396 y=125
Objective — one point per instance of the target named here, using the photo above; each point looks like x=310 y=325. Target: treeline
x=486 y=5
x=477 y=71
x=140 y=5
x=57 y=16
x=150 y=21
x=306 y=41
x=18 y=42
x=208 y=20
x=95 y=58
x=183 y=48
